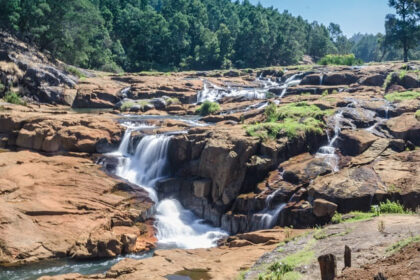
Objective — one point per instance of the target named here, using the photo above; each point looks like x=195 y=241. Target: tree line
x=135 y=35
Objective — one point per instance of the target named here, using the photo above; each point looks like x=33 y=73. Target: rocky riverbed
x=104 y=165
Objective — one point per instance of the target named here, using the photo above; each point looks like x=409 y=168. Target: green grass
x=394 y=248
x=208 y=108
x=417 y=115
x=173 y=101
x=337 y=59
x=126 y=106
x=284 y=269
x=14 y=98
x=400 y=96
x=290 y=120
x=74 y=71
x=387 y=207
x=387 y=81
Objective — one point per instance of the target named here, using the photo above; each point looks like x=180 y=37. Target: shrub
x=74 y=71
x=126 y=106
x=173 y=100
x=399 y=96
x=417 y=114
x=389 y=207
x=208 y=108
x=387 y=81
x=337 y=59
x=14 y=98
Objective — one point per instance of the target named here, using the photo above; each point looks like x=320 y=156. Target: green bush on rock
x=14 y=98
x=337 y=59
x=289 y=120
x=208 y=108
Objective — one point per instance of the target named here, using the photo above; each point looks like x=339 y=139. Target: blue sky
x=364 y=16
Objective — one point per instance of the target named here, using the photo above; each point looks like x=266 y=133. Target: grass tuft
x=394 y=248
x=13 y=98
x=400 y=96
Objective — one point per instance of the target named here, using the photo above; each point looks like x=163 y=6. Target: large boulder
x=406 y=127
x=323 y=208
x=376 y=80
x=339 y=78
x=355 y=142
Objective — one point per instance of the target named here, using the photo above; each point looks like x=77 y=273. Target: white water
x=214 y=93
x=291 y=81
x=328 y=152
x=176 y=226
x=267 y=218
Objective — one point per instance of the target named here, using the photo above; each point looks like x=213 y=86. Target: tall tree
x=402 y=29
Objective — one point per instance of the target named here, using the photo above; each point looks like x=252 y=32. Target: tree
x=402 y=30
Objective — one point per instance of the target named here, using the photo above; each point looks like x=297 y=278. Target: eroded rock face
x=34 y=73
x=53 y=207
x=406 y=127
x=61 y=132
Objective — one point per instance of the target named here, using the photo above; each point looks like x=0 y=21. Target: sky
x=353 y=16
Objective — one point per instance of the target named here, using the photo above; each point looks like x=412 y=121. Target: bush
x=389 y=207
x=400 y=96
x=208 y=108
x=289 y=120
x=126 y=106
x=173 y=101
x=337 y=59
x=74 y=71
x=417 y=114
x=14 y=98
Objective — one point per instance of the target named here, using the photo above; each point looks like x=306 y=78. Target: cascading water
x=176 y=226
x=328 y=152
x=267 y=217
x=291 y=81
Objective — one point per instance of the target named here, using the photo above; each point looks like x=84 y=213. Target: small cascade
x=176 y=227
x=291 y=81
x=124 y=92
x=267 y=218
x=328 y=152
x=321 y=79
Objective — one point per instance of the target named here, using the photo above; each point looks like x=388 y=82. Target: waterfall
x=321 y=79
x=267 y=217
x=328 y=152
x=176 y=226
x=291 y=81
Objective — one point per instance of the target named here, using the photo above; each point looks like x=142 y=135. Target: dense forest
x=134 y=35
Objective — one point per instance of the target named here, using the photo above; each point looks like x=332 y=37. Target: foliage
x=398 y=246
x=289 y=120
x=14 y=98
x=340 y=59
x=417 y=114
x=208 y=108
x=127 y=105
x=74 y=71
x=173 y=101
x=400 y=96
x=402 y=29
x=387 y=81
x=2 y=87
x=167 y=34
x=390 y=207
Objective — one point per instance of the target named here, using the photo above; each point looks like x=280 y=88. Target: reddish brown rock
x=58 y=206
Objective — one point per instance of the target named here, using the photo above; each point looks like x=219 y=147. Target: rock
x=312 y=79
x=350 y=188
x=355 y=142
x=406 y=127
x=324 y=208
x=375 y=80
x=340 y=78
x=68 y=206
x=202 y=187
x=400 y=175
x=303 y=168
x=52 y=133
